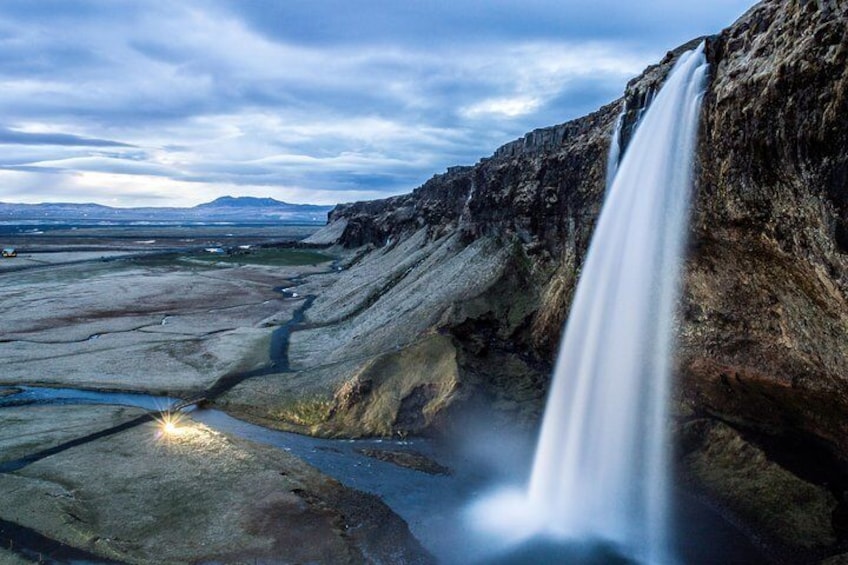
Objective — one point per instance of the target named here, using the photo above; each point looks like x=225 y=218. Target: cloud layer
x=176 y=103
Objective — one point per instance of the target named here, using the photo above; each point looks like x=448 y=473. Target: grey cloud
x=373 y=96
x=9 y=136
x=28 y=169
x=467 y=21
x=101 y=164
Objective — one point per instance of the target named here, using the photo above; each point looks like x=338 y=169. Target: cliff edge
x=454 y=295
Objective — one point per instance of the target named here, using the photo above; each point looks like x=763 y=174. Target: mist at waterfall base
x=599 y=486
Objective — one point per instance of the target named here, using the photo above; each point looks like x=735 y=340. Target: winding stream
x=431 y=504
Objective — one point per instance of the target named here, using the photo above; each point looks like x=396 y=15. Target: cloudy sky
x=165 y=103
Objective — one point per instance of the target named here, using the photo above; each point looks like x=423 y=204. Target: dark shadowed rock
x=741 y=476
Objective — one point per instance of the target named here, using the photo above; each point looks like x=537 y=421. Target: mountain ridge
x=230 y=208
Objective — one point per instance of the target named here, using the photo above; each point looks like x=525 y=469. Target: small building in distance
x=10 y=252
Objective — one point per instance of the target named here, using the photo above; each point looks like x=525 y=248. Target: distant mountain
x=242 y=209
x=242 y=202
x=250 y=202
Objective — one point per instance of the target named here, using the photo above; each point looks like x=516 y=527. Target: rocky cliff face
x=484 y=259
x=766 y=335
x=764 y=339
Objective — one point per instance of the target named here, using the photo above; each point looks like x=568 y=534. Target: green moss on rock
x=398 y=392
x=788 y=510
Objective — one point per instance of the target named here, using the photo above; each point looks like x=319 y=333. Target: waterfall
x=600 y=469
x=615 y=149
x=600 y=475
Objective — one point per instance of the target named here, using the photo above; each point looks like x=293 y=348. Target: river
x=432 y=504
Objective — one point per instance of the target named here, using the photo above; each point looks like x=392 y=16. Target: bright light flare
x=168 y=424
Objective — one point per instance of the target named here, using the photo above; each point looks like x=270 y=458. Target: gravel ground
x=117 y=325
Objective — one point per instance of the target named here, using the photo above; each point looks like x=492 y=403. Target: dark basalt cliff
x=478 y=265
x=766 y=335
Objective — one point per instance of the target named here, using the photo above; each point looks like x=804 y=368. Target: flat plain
x=164 y=316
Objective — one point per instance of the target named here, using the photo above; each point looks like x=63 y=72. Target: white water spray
x=601 y=464
x=601 y=467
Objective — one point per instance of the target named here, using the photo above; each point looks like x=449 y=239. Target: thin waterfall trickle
x=466 y=207
x=600 y=473
x=649 y=97
x=615 y=149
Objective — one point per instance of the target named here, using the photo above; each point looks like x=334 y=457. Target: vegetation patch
x=307 y=412
x=153 y=260
x=397 y=393
x=271 y=256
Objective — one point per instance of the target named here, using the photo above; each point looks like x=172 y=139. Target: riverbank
x=195 y=495
x=98 y=479
x=433 y=502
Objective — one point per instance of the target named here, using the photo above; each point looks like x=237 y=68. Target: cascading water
x=615 y=149
x=600 y=467
x=600 y=471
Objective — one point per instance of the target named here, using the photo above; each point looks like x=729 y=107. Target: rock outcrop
x=766 y=333
x=486 y=257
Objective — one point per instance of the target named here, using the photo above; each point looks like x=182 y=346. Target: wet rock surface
x=767 y=313
x=793 y=513
x=9 y=557
x=408 y=459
